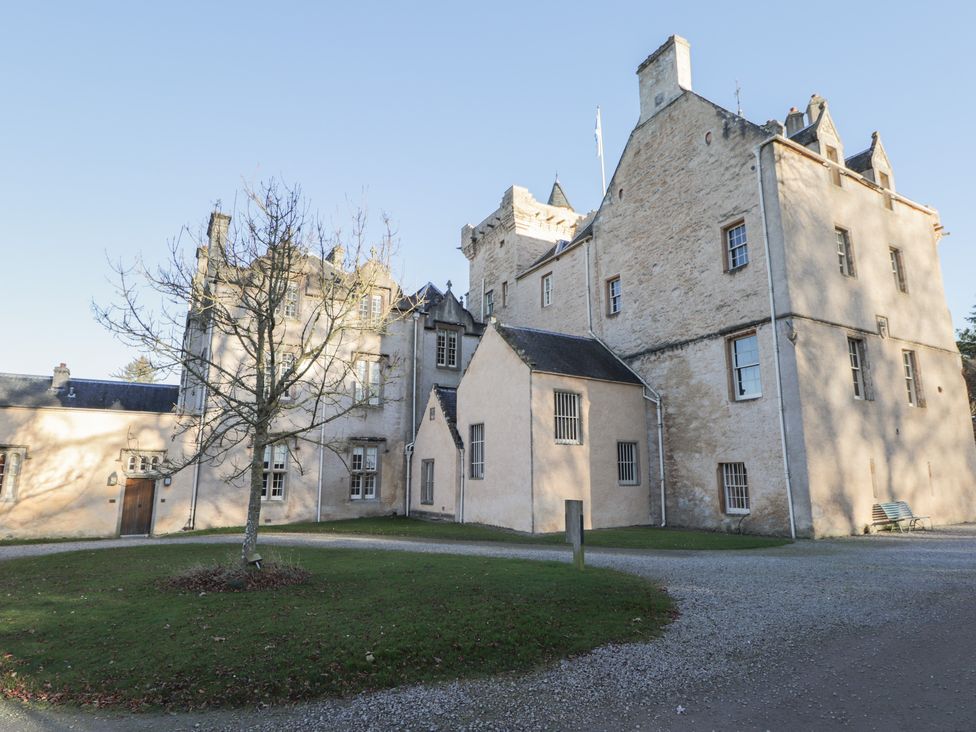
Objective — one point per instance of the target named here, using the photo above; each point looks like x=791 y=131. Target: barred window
x=627 y=463
x=427 y=482
x=567 y=413
x=735 y=486
x=477 y=443
x=363 y=470
x=845 y=254
x=447 y=348
x=736 y=246
x=855 y=350
x=745 y=367
x=275 y=469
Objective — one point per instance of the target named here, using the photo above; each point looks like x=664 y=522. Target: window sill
x=569 y=442
x=733 y=270
x=741 y=399
x=628 y=485
x=737 y=512
x=448 y=368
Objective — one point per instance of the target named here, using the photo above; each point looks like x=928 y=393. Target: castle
x=750 y=333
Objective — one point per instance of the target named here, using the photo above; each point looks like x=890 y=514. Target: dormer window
x=447 y=348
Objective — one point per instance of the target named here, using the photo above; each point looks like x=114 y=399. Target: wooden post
x=574 y=531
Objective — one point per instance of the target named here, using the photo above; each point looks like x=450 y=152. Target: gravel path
x=859 y=633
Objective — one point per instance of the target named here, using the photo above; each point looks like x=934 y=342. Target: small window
x=736 y=247
x=286 y=367
x=371 y=310
x=833 y=157
x=567 y=418
x=141 y=464
x=505 y=294
x=745 y=367
x=898 y=269
x=886 y=184
x=845 y=254
x=627 y=463
x=735 y=487
x=433 y=413
x=366 y=384
x=489 y=303
x=275 y=469
x=363 y=470
x=911 y=379
x=291 y=300
x=447 y=348
x=547 y=290
x=427 y=482
x=477 y=451
x=855 y=350
x=11 y=460
x=614 y=296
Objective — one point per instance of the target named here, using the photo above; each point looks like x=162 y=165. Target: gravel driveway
x=864 y=633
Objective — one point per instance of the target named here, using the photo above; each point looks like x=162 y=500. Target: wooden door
x=137 y=506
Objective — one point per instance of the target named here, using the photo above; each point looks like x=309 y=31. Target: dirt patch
x=231 y=578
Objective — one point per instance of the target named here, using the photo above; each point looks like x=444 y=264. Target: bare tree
x=279 y=315
x=138 y=370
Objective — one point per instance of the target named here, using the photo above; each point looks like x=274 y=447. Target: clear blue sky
x=121 y=122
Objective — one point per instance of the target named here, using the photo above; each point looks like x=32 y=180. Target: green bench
x=895 y=514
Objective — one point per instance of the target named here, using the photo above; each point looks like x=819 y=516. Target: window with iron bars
x=735 y=487
x=627 y=463
x=567 y=418
x=477 y=443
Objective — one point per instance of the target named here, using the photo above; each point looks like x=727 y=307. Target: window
x=363 y=472
x=736 y=247
x=433 y=413
x=845 y=256
x=911 y=379
x=898 y=269
x=427 y=482
x=489 y=303
x=614 y=296
x=567 y=411
x=141 y=464
x=291 y=300
x=10 y=462
x=547 y=290
x=735 y=487
x=504 y=294
x=886 y=184
x=275 y=469
x=745 y=367
x=477 y=451
x=855 y=348
x=833 y=157
x=627 y=463
x=371 y=309
x=447 y=348
x=366 y=386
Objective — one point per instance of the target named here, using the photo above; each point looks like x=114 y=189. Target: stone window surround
x=725 y=229
x=847 y=265
x=459 y=339
x=608 y=293
x=733 y=483
x=377 y=474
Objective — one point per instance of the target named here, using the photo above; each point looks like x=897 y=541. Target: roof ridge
x=549 y=332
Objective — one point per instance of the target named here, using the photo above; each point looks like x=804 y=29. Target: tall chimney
x=814 y=108
x=664 y=76
x=217 y=231
x=60 y=378
x=794 y=122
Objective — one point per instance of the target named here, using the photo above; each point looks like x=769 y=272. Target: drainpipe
x=408 y=450
x=191 y=524
x=318 y=504
x=772 y=317
x=413 y=419
x=461 y=470
x=648 y=392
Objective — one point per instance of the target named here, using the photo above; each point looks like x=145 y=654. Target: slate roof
x=861 y=162
x=21 y=390
x=806 y=135
x=427 y=296
x=447 y=396
x=557 y=196
x=557 y=353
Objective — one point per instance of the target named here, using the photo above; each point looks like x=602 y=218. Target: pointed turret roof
x=557 y=197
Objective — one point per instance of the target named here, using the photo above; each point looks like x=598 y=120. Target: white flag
x=598 y=133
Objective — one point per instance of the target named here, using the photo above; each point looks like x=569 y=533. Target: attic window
x=561 y=246
x=71 y=393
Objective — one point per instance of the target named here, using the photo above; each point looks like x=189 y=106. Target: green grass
x=631 y=537
x=57 y=540
x=91 y=627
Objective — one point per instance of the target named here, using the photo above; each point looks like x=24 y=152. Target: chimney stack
x=814 y=108
x=664 y=76
x=60 y=378
x=217 y=231
x=794 y=122
x=337 y=257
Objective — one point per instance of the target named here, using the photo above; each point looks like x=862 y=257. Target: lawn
x=631 y=537
x=93 y=627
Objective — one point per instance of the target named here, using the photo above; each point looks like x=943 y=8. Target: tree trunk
x=254 y=500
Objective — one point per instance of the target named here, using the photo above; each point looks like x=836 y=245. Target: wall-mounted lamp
x=168 y=480
x=113 y=479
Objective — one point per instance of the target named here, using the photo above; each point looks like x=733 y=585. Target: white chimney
x=60 y=378
x=664 y=76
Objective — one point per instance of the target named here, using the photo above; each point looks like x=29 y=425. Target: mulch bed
x=226 y=578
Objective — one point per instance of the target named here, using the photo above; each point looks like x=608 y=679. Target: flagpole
x=598 y=132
